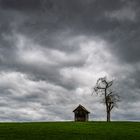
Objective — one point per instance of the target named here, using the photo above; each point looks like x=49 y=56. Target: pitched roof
x=83 y=108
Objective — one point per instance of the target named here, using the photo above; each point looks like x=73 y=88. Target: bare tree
x=110 y=99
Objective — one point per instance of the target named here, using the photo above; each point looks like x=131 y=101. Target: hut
x=81 y=114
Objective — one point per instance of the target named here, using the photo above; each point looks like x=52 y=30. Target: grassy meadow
x=70 y=131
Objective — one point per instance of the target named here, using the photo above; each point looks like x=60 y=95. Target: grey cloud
x=21 y=5
x=52 y=36
x=24 y=101
x=82 y=18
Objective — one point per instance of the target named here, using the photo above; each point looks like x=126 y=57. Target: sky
x=53 y=51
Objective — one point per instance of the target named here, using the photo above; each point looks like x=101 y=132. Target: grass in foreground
x=70 y=131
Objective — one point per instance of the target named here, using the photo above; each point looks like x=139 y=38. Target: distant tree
x=110 y=99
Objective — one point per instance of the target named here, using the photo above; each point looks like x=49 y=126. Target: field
x=70 y=131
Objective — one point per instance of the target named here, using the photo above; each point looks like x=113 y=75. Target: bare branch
x=110 y=83
x=100 y=87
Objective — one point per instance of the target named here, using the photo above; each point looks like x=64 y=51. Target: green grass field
x=70 y=131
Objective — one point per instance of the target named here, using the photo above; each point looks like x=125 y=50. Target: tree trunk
x=108 y=116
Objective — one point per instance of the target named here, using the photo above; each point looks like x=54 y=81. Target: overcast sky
x=53 y=51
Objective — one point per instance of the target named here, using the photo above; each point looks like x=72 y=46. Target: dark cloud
x=98 y=18
x=52 y=52
x=21 y=5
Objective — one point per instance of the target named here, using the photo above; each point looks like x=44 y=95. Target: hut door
x=81 y=116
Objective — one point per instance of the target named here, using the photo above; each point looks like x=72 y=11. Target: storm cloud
x=52 y=53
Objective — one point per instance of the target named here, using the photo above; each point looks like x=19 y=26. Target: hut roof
x=81 y=107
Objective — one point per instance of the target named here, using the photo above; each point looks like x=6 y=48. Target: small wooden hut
x=81 y=114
